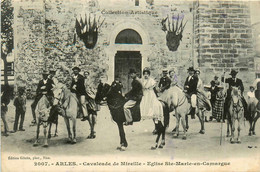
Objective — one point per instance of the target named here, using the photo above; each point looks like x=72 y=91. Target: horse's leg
x=187 y=122
x=228 y=125
x=49 y=132
x=94 y=120
x=200 y=115
x=90 y=121
x=56 y=130
x=67 y=122
x=176 y=134
x=159 y=132
x=163 y=137
x=36 y=143
x=254 y=122
x=74 y=130
x=232 y=130
x=184 y=126
x=45 y=135
x=123 y=142
x=174 y=115
x=239 y=129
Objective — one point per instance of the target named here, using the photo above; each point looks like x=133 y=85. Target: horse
x=235 y=112
x=178 y=102
x=254 y=114
x=116 y=101
x=67 y=103
x=42 y=115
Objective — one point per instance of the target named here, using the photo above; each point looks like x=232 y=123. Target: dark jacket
x=191 y=85
x=102 y=91
x=233 y=83
x=48 y=87
x=80 y=85
x=165 y=83
x=117 y=86
x=20 y=103
x=136 y=92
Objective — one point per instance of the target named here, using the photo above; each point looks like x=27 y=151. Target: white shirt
x=250 y=94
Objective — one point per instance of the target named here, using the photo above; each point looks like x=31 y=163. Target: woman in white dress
x=150 y=106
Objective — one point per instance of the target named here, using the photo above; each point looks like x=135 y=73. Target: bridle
x=236 y=106
x=59 y=98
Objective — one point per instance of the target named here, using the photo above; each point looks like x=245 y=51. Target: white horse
x=67 y=103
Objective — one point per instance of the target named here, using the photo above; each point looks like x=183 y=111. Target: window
x=128 y=36
x=136 y=2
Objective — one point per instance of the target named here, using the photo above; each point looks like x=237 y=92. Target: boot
x=192 y=113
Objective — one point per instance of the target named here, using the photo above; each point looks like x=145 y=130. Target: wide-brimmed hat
x=132 y=71
x=45 y=72
x=76 y=68
x=233 y=72
x=251 y=86
x=216 y=76
x=165 y=71
x=191 y=69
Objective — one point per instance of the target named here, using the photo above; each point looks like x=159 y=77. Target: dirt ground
x=139 y=137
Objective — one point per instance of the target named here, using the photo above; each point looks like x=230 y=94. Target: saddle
x=202 y=101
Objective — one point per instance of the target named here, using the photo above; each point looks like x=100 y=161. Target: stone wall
x=223 y=39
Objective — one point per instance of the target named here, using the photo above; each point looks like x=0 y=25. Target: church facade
x=110 y=37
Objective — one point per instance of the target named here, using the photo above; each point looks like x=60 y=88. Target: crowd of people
x=145 y=92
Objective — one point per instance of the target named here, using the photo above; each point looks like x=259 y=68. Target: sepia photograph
x=130 y=85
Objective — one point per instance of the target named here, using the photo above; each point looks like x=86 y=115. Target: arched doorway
x=126 y=60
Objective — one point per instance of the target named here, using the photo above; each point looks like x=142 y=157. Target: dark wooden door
x=124 y=61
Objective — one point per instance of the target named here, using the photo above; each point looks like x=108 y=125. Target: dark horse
x=116 y=101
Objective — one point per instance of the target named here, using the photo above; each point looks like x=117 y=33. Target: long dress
x=219 y=105
x=150 y=106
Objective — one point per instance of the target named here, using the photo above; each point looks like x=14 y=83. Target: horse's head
x=236 y=95
x=58 y=93
x=44 y=114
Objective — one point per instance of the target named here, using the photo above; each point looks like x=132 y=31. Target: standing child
x=20 y=105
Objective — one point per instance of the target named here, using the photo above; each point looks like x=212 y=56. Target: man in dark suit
x=133 y=96
x=78 y=87
x=165 y=82
x=233 y=82
x=190 y=87
x=44 y=88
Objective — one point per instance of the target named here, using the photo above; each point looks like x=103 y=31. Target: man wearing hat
x=165 y=81
x=133 y=96
x=52 y=76
x=233 y=82
x=190 y=87
x=44 y=88
x=78 y=87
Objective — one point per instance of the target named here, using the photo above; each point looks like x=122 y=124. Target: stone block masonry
x=223 y=31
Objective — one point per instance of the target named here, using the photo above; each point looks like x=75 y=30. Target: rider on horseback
x=78 y=87
x=234 y=82
x=133 y=96
x=190 y=88
x=44 y=88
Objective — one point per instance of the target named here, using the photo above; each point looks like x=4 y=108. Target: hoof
x=45 y=145
x=74 y=141
x=232 y=141
x=123 y=148
x=202 y=132
x=49 y=136
x=154 y=147
x=56 y=135
x=175 y=135
x=161 y=146
x=118 y=148
x=250 y=134
x=184 y=138
x=36 y=144
x=254 y=133
x=239 y=141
